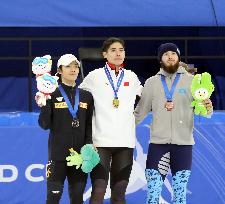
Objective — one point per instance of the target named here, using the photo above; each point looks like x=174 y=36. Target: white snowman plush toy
x=46 y=84
x=42 y=65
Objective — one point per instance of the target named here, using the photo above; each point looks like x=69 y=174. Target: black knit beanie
x=167 y=47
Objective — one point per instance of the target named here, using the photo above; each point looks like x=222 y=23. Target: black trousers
x=117 y=161
x=57 y=172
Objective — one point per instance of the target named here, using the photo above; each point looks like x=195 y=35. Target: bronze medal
x=169 y=105
x=116 y=102
x=75 y=123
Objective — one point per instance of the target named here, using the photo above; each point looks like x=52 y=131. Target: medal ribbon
x=111 y=81
x=169 y=94
x=73 y=110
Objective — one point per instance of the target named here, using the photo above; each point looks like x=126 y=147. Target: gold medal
x=169 y=105
x=116 y=102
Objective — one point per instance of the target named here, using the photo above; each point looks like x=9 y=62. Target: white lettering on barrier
x=14 y=173
x=29 y=170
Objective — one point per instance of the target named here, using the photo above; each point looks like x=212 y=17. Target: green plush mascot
x=87 y=159
x=74 y=159
x=201 y=89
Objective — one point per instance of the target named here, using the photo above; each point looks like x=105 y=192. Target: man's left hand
x=208 y=104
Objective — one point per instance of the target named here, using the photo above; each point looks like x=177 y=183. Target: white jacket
x=113 y=127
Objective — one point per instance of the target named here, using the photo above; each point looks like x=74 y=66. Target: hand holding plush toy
x=87 y=159
x=201 y=89
x=46 y=84
x=74 y=159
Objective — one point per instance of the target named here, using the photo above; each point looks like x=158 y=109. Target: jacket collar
x=113 y=67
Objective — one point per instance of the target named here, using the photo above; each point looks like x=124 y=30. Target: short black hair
x=106 y=44
x=59 y=75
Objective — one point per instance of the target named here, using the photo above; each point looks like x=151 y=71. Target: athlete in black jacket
x=66 y=131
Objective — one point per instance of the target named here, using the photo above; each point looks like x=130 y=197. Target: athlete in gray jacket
x=168 y=96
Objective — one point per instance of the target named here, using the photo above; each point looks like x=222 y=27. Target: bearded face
x=170 y=62
x=171 y=68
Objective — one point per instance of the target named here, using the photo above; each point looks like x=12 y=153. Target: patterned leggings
x=161 y=158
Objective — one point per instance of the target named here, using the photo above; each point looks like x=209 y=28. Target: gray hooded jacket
x=168 y=127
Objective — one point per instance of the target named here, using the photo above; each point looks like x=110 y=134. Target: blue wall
x=23 y=150
x=112 y=13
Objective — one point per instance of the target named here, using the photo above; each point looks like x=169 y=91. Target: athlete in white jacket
x=114 y=90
